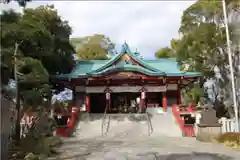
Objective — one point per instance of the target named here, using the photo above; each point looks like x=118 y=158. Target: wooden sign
x=119 y=89
x=156 y=88
x=121 y=75
x=172 y=87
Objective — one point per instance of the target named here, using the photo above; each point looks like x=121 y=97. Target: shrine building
x=119 y=81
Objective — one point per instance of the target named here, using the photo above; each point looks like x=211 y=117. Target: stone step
x=165 y=125
x=131 y=125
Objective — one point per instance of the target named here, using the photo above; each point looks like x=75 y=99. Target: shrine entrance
x=154 y=99
x=97 y=102
x=124 y=102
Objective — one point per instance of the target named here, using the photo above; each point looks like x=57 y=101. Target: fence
x=228 y=125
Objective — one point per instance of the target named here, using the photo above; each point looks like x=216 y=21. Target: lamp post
x=231 y=66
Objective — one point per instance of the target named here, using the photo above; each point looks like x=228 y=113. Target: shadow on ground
x=188 y=156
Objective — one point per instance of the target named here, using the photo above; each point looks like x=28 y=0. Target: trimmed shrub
x=230 y=139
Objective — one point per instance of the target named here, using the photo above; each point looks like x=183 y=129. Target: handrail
x=177 y=117
x=64 y=130
x=150 y=127
x=190 y=108
x=103 y=120
x=187 y=130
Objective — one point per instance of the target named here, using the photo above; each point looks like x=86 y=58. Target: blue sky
x=145 y=25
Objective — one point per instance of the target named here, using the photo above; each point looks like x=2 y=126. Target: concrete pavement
x=148 y=148
x=128 y=139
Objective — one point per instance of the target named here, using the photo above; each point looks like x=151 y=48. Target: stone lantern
x=208 y=126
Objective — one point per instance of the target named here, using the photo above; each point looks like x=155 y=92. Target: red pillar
x=164 y=101
x=87 y=103
x=179 y=97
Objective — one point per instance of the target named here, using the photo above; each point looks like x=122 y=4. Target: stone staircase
x=127 y=125
x=165 y=125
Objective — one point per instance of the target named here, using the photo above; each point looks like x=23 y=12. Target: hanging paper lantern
x=143 y=95
x=74 y=109
x=107 y=96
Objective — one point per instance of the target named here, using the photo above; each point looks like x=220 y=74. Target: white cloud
x=145 y=25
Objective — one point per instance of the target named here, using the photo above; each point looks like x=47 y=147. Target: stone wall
x=207 y=134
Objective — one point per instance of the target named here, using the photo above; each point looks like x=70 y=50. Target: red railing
x=190 y=108
x=187 y=130
x=65 y=131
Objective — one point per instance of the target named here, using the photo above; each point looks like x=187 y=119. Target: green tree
x=165 y=53
x=203 y=42
x=168 y=52
x=44 y=45
x=42 y=40
x=95 y=47
x=43 y=36
x=193 y=94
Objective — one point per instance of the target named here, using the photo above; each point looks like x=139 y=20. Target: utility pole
x=17 y=123
x=231 y=66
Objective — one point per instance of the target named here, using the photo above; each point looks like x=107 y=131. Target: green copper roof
x=160 y=67
x=127 y=67
x=125 y=50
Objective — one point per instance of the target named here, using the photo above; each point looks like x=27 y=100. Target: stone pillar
x=164 y=101
x=87 y=103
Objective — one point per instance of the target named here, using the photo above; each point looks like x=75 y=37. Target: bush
x=230 y=139
x=32 y=156
x=38 y=148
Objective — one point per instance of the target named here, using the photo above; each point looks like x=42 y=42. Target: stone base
x=208 y=134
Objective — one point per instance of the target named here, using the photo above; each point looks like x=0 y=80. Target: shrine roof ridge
x=127 y=67
x=126 y=50
x=158 y=67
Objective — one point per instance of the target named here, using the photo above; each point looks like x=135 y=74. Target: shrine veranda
x=126 y=78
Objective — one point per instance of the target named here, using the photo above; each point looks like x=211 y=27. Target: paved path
x=129 y=140
x=148 y=148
